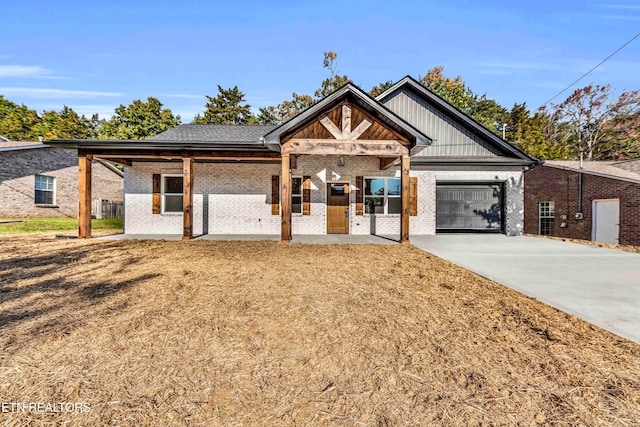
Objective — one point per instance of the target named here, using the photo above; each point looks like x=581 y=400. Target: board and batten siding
x=450 y=139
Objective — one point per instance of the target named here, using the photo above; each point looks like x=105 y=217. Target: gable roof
x=506 y=151
x=7 y=145
x=358 y=97
x=607 y=169
x=629 y=165
x=214 y=133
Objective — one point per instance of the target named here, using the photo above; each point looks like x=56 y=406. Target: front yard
x=260 y=333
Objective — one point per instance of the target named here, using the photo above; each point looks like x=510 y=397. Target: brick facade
x=511 y=177
x=17 y=182
x=546 y=183
x=236 y=198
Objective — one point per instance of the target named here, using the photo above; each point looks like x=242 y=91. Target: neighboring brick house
x=600 y=202
x=37 y=180
x=406 y=162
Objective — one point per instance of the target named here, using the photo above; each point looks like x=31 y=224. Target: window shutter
x=156 y=193
x=306 y=195
x=359 y=195
x=275 y=195
x=413 y=196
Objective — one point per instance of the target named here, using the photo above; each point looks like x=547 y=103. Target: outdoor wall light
x=341 y=161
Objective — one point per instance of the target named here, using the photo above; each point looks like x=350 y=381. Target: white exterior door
x=606 y=221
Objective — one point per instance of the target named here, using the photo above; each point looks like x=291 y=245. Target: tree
x=227 y=108
x=138 y=120
x=6 y=106
x=588 y=121
x=454 y=91
x=527 y=132
x=67 y=124
x=331 y=84
x=485 y=111
x=380 y=88
x=18 y=122
x=266 y=116
x=488 y=113
x=276 y=114
x=294 y=106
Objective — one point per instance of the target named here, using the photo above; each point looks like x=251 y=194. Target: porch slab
x=305 y=239
x=141 y=237
x=337 y=239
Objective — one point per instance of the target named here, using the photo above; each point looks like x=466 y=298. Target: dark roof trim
x=417 y=161
x=461 y=117
x=25 y=147
x=272 y=139
x=144 y=145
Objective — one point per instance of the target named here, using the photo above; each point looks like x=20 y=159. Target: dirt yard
x=260 y=333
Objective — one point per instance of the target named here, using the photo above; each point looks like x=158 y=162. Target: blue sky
x=93 y=56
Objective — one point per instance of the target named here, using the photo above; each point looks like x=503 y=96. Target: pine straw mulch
x=260 y=333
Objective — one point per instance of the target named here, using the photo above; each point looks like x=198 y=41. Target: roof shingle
x=214 y=133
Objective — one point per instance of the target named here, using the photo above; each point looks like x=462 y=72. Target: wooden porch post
x=84 y=195
x=187 y=197
x=286 y=199
x=404 y=217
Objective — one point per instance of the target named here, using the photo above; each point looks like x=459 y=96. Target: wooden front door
x=337 y=208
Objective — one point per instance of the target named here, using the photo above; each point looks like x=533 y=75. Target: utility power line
x=589 y=72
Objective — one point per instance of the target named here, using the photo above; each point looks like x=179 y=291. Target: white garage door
x=469 y=207
x=606 y=221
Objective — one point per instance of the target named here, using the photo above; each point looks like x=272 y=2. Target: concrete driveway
x=601 y=286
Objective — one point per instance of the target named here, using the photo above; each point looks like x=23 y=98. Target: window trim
x=385 y=197
x=163 y=193
x=53 y=190
x=550 y=214
x=297 y=194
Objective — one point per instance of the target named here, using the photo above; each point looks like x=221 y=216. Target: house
x=39 y=180
x=403 y=163
x=597 y=201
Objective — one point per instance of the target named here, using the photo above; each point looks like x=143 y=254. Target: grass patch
x=43 y=225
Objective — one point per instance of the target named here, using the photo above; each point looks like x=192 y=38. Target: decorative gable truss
x=347 y=131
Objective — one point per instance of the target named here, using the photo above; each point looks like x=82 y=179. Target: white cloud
x=622 y=17
x=623 y=6
x=26 y=71
x=54 y=93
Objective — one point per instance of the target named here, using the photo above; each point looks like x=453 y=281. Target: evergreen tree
x=227 y=108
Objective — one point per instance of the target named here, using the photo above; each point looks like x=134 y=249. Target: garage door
x=469 y=207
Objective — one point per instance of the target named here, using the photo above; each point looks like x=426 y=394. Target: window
x=337 y=190
x=296 y=195
x=383 y=195
x=45 y=190
x=171 y=193
x=547 y=217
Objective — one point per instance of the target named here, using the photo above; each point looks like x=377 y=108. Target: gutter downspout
x=580 y=213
